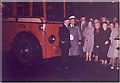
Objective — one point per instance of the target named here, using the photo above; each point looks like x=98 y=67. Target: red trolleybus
x=30 y=29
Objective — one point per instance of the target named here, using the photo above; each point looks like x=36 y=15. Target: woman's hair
x=105 y=23
x=90 y=21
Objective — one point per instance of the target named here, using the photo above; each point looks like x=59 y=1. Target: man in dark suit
x=82 y=25
x=64 y=43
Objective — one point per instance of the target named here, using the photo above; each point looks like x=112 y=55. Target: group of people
x=96 y=38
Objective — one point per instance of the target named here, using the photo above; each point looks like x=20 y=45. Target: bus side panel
x=52 y=49
x=10 y=31
x=8 y=34
x=21 y=26
x=40 y=35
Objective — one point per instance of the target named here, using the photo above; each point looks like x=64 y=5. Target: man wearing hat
x=64 y=43
x=75 y=37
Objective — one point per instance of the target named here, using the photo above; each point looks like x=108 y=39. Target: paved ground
x=46 y=71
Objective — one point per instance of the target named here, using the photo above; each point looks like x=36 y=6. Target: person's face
x=67 y=22
x=96 y=20
x=89 y=23
x=104 y=19
x=97 y=26
x=111 y=25
x=116 y=25
x=104 y=26
x=72 y=21
x=115 y=19
x=83 y=19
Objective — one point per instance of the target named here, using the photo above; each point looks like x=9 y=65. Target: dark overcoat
x=64 y=36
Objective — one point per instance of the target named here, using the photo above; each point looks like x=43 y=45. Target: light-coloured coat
x=113 y=52
x=89 y=39
x=75 y=36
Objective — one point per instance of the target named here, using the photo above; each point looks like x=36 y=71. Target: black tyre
x=26 y=49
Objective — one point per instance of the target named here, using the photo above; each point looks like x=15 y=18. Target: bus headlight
x=42 y=27
x=51 y=39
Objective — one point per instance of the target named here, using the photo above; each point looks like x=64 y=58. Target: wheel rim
x=24 y=52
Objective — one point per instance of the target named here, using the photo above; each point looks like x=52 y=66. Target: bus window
x=70 y=8
x=55 y=11
x=37 y=9
x=22 y=9
x=7 y=9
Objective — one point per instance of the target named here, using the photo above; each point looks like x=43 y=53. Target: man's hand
x=97 y=46
x=63 y=42
x=79 y=43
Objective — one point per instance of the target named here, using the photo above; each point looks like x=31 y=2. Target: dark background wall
x=94 y=9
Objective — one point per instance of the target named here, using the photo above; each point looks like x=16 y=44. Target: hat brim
x=71 y=18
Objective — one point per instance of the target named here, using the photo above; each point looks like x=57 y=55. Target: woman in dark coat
x=96 y=41
x=104 y=42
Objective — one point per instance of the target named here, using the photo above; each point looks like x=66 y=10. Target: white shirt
x=82 y=22
x=66 y=25
x=71 y=25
